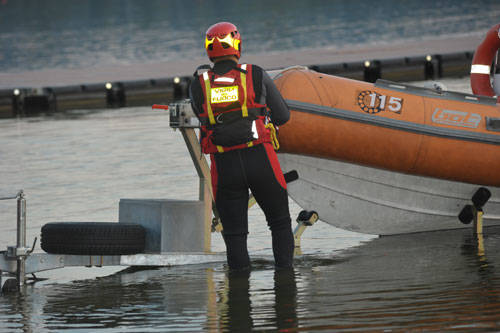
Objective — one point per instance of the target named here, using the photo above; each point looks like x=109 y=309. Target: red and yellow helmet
x=223 y=39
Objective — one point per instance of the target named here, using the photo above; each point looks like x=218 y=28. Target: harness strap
x=244 y=109
x=211 y=118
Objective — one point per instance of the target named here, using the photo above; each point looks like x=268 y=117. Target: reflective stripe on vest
x=207 y=92
x=244 y=108
x=247 y=105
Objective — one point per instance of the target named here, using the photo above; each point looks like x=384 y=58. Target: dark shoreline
x=55 y=90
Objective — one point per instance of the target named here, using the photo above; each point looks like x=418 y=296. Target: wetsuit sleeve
x=280 y=113
x=196 y=96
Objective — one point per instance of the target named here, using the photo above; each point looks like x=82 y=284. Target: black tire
x=93 y=238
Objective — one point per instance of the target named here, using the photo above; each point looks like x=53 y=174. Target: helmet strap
x=227 y=57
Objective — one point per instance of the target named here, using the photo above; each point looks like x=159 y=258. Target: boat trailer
x=177 y=232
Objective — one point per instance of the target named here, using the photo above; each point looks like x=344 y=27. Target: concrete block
x=171 y=225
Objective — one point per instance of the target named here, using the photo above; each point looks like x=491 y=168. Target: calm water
x=76 y=167
x=79 y=34
x=420 y=283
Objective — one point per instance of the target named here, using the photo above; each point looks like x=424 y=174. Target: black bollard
x=187 y=83
x=372 y=71
x=17 y=102
x=115 y=95
x=110 y=96
x=120 y=95
x=178 y=91
x=439 y=61
x=27 y=102
x=428 y=68
x=36 y=104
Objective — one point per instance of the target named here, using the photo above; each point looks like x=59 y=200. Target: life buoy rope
x=481 y=63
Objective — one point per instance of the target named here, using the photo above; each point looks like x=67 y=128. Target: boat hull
x=381 y=202
x=393 y=127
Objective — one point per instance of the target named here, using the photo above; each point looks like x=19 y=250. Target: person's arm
x=196 y=96
x=280 y=113
x=195 y=90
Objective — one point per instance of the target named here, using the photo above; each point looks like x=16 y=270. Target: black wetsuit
x=255 y=168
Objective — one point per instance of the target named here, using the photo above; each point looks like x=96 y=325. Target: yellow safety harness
x=244 y=108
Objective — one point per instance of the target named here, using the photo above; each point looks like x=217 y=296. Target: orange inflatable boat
x=396 y=127
x=387 y=158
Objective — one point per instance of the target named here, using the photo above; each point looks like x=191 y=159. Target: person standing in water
x=238 y=106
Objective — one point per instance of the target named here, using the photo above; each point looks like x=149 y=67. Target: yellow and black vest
x=231 y=118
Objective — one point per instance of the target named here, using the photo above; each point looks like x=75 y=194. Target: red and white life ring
x=481 y=63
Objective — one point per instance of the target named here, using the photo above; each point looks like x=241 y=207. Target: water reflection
x=427 y=282
x=167 y=299
x=285 y=290
x=430 y=281
x=236 y=307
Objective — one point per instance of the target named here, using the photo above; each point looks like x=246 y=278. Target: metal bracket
x=475 y=213
x=20 y=252
x=14 y=253
x=479 y=199
x=182 y=115
x=304 y=220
